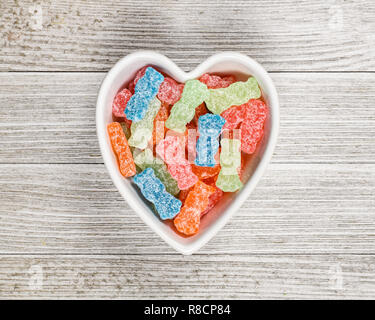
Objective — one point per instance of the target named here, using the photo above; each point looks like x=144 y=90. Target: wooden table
x=307 y=231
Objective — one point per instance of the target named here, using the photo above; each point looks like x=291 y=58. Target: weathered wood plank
x=50 y=118
x=177 y=277
x=295 y=209
x=282 y=35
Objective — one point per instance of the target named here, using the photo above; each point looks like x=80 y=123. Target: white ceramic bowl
x=222 y=63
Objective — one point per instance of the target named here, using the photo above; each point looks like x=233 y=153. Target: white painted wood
x=192 y=277
x=50 y=118
x=282 y=35
x=307 y=231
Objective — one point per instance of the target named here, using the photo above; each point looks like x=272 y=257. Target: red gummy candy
x=119 y=104
x=234 y=116
x=170 y=91
x=252 y=126
x=121 y=149
x=251 y=133
x=140 y=73
x=216 y=82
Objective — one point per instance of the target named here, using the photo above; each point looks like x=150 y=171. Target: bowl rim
x=152 y=56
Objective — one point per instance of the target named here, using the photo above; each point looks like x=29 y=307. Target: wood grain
x=307 y=231
x=50 y=118
x=193 y=277
x=295 y=209
x=283 y=35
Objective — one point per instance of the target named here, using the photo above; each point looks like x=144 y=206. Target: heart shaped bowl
x=223 y=63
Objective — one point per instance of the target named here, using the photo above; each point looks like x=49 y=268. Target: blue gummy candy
x=154 y=191
x=145 y=90
x=209 y=127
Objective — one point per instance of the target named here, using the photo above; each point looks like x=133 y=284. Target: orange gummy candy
x=121 y=148
x=189 y=218
x=159 y=130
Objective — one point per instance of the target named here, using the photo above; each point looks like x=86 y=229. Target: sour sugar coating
x=146 y=159
x=141 y=131
x=215 y=82
x=159 y=131
x=145 y=91
x=140 y=73
x=120 y=102
x=170 y=91
x=206 y=172
x=154 y=191
x=172 y=151
x=195 y=92
x=121 y=149
x=236 y=94
x=230 y=161
x=252 y=126
x=254 y=110
x=209 y=127
x=188 y=220
x=213 y=199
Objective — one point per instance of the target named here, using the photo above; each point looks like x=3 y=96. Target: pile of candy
x=186 y=141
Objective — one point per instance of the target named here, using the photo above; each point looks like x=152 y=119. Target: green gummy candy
x=236 y=94
x=230 y=160
x=145 y=159
x=141 y=131
x=228 y=183
x=194 y=93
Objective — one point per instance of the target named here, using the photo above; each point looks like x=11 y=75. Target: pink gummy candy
x=170 y=91
x=216 y=82
x=172 y=151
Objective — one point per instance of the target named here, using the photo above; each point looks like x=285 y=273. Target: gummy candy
x=154 y=191
x=234 y=116
x=159 y=130
x=206 y=172
x=194 y=93
x=172 y=151
x=252 y=126
x=230 y=160
x=140 y=73
x=121 y=148
x=120 y=102
x=252 y=114
x=254 y=110
x=209 y=127
x=251 y=133
x=216 y=82
x=170 y=91
x=188 y=220
x=126 y=130
x=213 y=199
x=145 y=91
x=236 y=94
x=200 y=111
x=141 y=131
x=145 y=159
